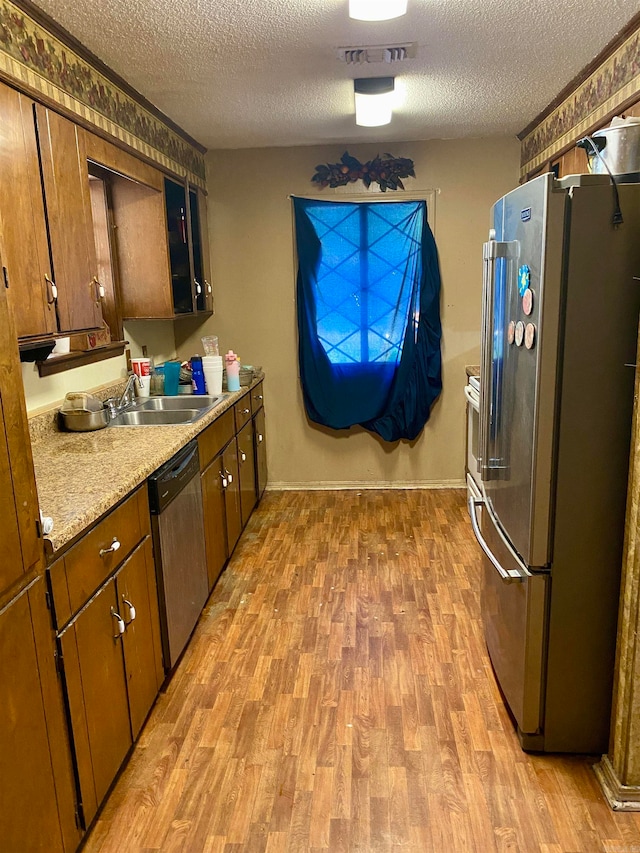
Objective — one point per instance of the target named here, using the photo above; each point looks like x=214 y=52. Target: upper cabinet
x=200 y=243
x=163 y=261
x=68 y=205
x=27 y=269
x=188 y=248
x=50 y=260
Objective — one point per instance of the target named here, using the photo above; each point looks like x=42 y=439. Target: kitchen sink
x=176 y=404
x=164 y=411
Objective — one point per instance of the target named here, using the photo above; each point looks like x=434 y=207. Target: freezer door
x=514 y=616
x=521 y=315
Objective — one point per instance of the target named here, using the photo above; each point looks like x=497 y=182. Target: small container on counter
x=232 y=365
x=197 y=376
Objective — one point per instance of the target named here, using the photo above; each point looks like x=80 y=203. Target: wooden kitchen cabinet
x=65 y=179
x=246 y=471
x=260 y=445
x=106 y=612
x=29 y=811
x=91 y=651
x=259 y=438
x=37 y=789
x=138 y=606
x=26 y=250
x=215 y=524
x=199 y=230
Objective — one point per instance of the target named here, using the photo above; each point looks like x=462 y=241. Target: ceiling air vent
x=377 y=53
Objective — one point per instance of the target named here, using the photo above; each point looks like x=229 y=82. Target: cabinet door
x=200 y=251
x=29 y=815
x=26 y=255
x=213 y=500
x=142 y=249
x=247 y=471
x=232 y=494
x=138 y=606
x=68 y=204
x=21 y=548
x=260 y=444
x=97 y=692
x=179 y=250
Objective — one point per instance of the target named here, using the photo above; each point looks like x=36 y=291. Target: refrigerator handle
x=507 y=575
x=488 y=266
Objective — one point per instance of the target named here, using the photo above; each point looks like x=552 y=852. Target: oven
x=472 y=397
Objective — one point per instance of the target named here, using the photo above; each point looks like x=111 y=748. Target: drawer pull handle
x=132 y=610
x=198 y=286
x=243 y=456
x=114 y=547
x=260 y=438
x=257 y=397
x=209 y=288
x=229 y=476
x=120 y=626
x=245 y=411
x=225 y=482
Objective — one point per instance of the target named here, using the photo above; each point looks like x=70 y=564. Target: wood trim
x=622 y=798
x=65 y=36
x=586 y=72
x=77 y=359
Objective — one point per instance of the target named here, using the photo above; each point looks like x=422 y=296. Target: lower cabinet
x=27 y=784
x=108 y=635
x=247 y=471
x=260 y=446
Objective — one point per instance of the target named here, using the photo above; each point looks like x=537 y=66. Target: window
x=368 y=314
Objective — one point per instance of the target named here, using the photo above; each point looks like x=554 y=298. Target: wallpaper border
x=32 y=57
x=612 y=85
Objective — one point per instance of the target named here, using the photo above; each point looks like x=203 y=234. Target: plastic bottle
x=232 y=364
x=197 y=376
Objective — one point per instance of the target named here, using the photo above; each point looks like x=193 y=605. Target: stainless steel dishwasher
x=177 y=524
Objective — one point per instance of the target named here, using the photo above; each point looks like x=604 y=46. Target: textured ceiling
x=259 y=73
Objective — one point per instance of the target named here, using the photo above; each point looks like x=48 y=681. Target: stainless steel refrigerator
x=559 y=336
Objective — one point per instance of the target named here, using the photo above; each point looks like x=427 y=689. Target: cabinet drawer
x=257 y=398
x=242 y=411
x=91 y=560
x=215 y=437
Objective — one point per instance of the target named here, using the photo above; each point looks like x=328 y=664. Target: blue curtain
x=368 y=310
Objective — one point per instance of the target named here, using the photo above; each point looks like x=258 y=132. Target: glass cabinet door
x=202 y=286
x=178 y=233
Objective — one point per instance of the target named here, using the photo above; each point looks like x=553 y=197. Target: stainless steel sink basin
x=174 y=404
x=163 y=411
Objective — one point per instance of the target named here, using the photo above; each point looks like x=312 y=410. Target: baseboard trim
x=317 y=485
x=621 y=798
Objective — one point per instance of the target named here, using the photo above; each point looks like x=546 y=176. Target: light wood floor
x=337 y=695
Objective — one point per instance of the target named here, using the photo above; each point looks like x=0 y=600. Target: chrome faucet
x=116 y=406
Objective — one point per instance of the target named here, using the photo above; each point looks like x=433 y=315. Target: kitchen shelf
x=50 y=366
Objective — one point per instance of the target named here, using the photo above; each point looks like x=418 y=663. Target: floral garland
x=386 y=172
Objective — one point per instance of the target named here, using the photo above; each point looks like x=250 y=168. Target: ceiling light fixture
x=374 y=97
x=376 y=10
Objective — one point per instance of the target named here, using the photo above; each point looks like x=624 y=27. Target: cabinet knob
x=260 y=438
x=132 y=610
x=98 y=288
x=229 y=476
x=198 y=286
x=120 y=626
x=209 y=288
x=52 y=290
x=114 y=547
x=243 y=456
x=257 y=396
x=225 y=482
x=245 y=411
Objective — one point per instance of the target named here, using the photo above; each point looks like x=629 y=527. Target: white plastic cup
x=213 y=380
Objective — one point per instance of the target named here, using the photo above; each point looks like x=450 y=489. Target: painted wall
x=252 y=248
x=42 y=393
